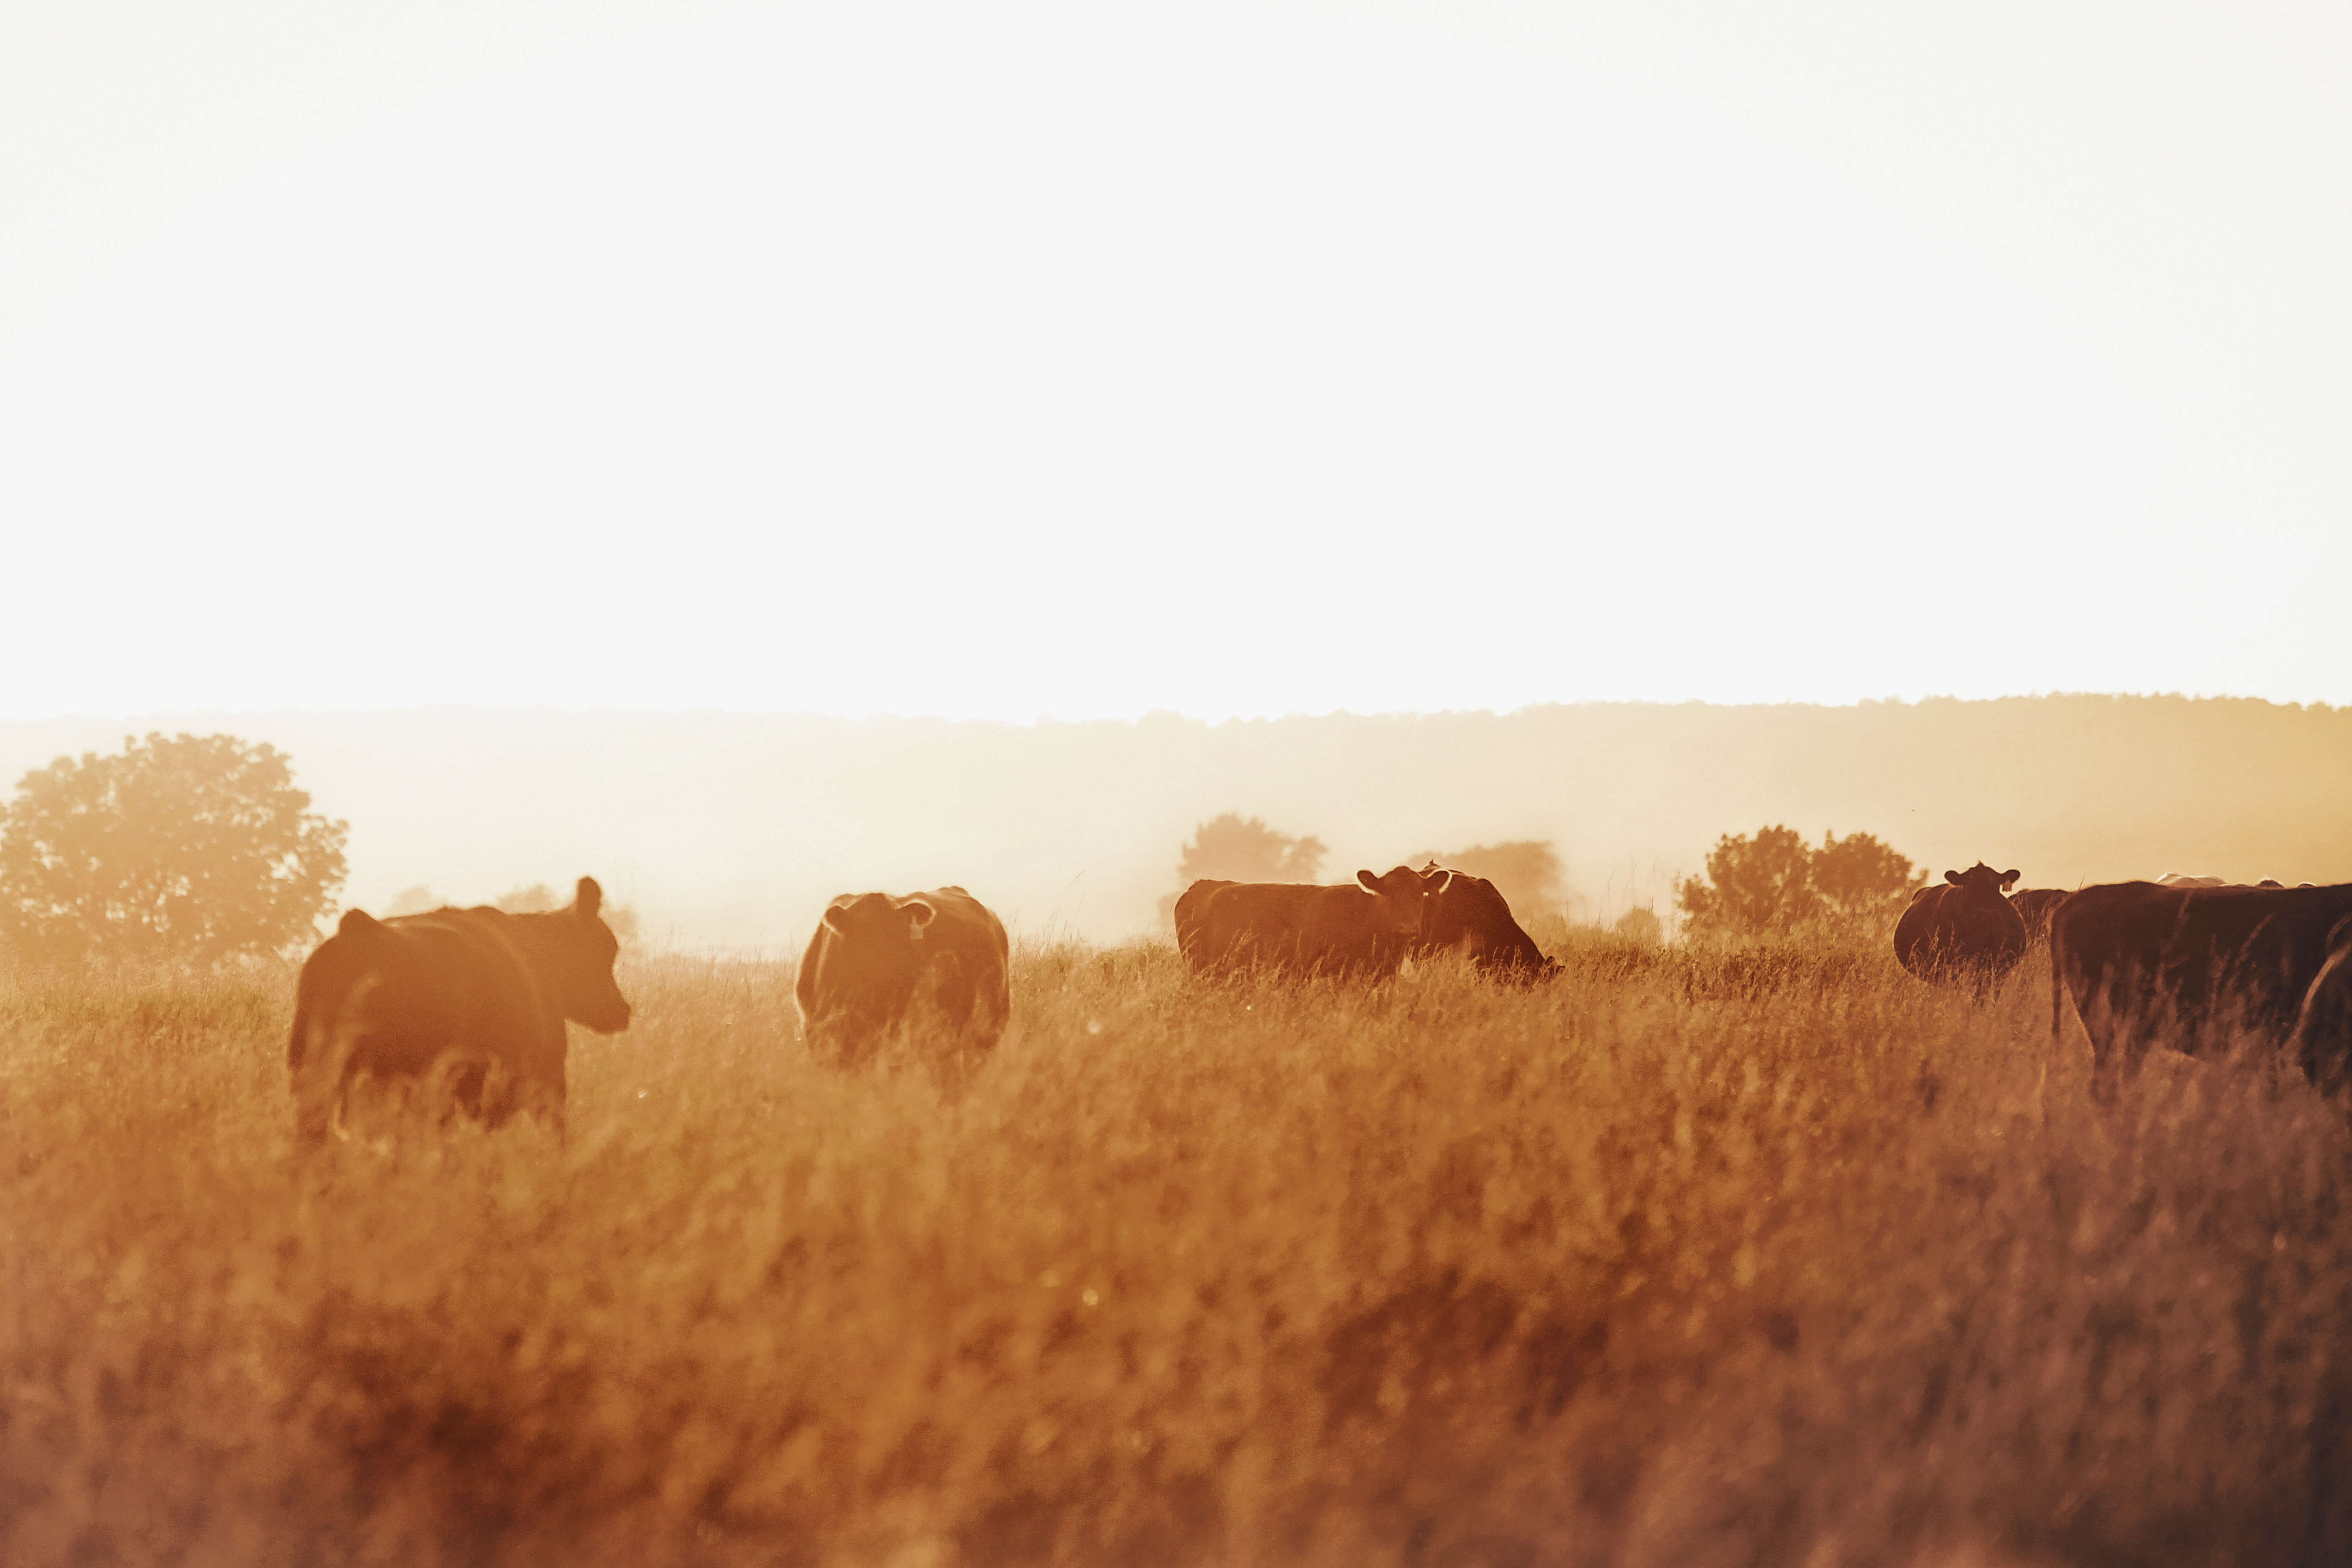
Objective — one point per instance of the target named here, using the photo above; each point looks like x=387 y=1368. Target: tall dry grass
x=1685 y=1259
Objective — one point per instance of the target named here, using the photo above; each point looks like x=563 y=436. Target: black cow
x=2197 y=969
x=1963 y=933
x=472 y=1001
x=2323 y=1029
x=1362 y=928
x=1469 y=915
x=875 y=959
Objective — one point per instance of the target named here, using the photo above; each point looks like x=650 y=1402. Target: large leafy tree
x=1752 y=886
x=1860 y=879
x=198 y=846
x=1235 y=848
x=1774 y=883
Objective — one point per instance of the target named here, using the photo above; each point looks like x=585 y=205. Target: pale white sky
x=1005 y=359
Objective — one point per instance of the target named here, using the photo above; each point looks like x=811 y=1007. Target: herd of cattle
x=2197 y=962
x=465 y=1008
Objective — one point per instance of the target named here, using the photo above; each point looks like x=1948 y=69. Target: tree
x=537 y=899
x=1772 y=884
x=196 y=847
x=1235 y=848
x=1525 y=871
x=1752 y=886
x=1641 y=923
x=1860 y=879
x=414 y=900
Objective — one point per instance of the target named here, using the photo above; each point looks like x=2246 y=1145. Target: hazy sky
x=994 y=359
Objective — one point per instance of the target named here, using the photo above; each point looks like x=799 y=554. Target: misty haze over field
x=731 y=830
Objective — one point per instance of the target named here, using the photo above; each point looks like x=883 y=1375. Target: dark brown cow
x=1469 y=915
x=2193 y=968
x=2323 y=1030
x=1963 y=933
x=2034 y=906
x=472 y=1001
x=876 y=960
x=1365 y=927
x=1191 y=905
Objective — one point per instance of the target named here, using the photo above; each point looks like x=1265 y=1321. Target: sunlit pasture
x=1689 y=1258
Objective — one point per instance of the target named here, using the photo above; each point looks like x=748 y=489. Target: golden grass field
x=1689 y=1259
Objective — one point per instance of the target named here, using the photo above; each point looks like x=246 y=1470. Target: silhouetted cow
x=2323 y=1030
x=2034 y=906
x=1963 y=933
x=2194 y=968
x=1191 y=906
x=1366 y=927
x=470 y=1001
x=1469 y=915
x=876 y=960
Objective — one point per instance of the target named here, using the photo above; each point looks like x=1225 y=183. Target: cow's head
x=1983 y=880
x=575 y=949
x=884 y=937
x=1403 y=894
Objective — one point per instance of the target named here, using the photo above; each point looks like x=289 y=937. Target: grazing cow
x=2182 y=879
x=1294 y=926
x=2194 y=968
x=1963 y=933
x=2323 y=1028
x=2034 y=906
x=876 y=961
x=472 y=1001
x=1468 y=915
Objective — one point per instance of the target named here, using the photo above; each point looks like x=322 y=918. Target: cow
x=878 y=962
x=2034 y=906
x=469 y=1002
x=1191 y=904
x=2196 y=968
x=1962 y=932
x=2323 y=1026
x=1469 y=915
x=1367 y=926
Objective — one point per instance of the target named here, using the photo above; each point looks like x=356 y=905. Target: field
x=1688 y=1258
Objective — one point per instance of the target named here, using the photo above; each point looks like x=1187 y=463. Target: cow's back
x=1292 y=925
x=1191 y=911
x=2138 y=959
x=399 y=998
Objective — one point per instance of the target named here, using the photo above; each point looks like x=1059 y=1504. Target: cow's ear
x=355 y=922
x=2009 y=879
x=1953 y=877
x=920 y=912
x=589 y=897
x=1371 y=883
x=836 y=919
